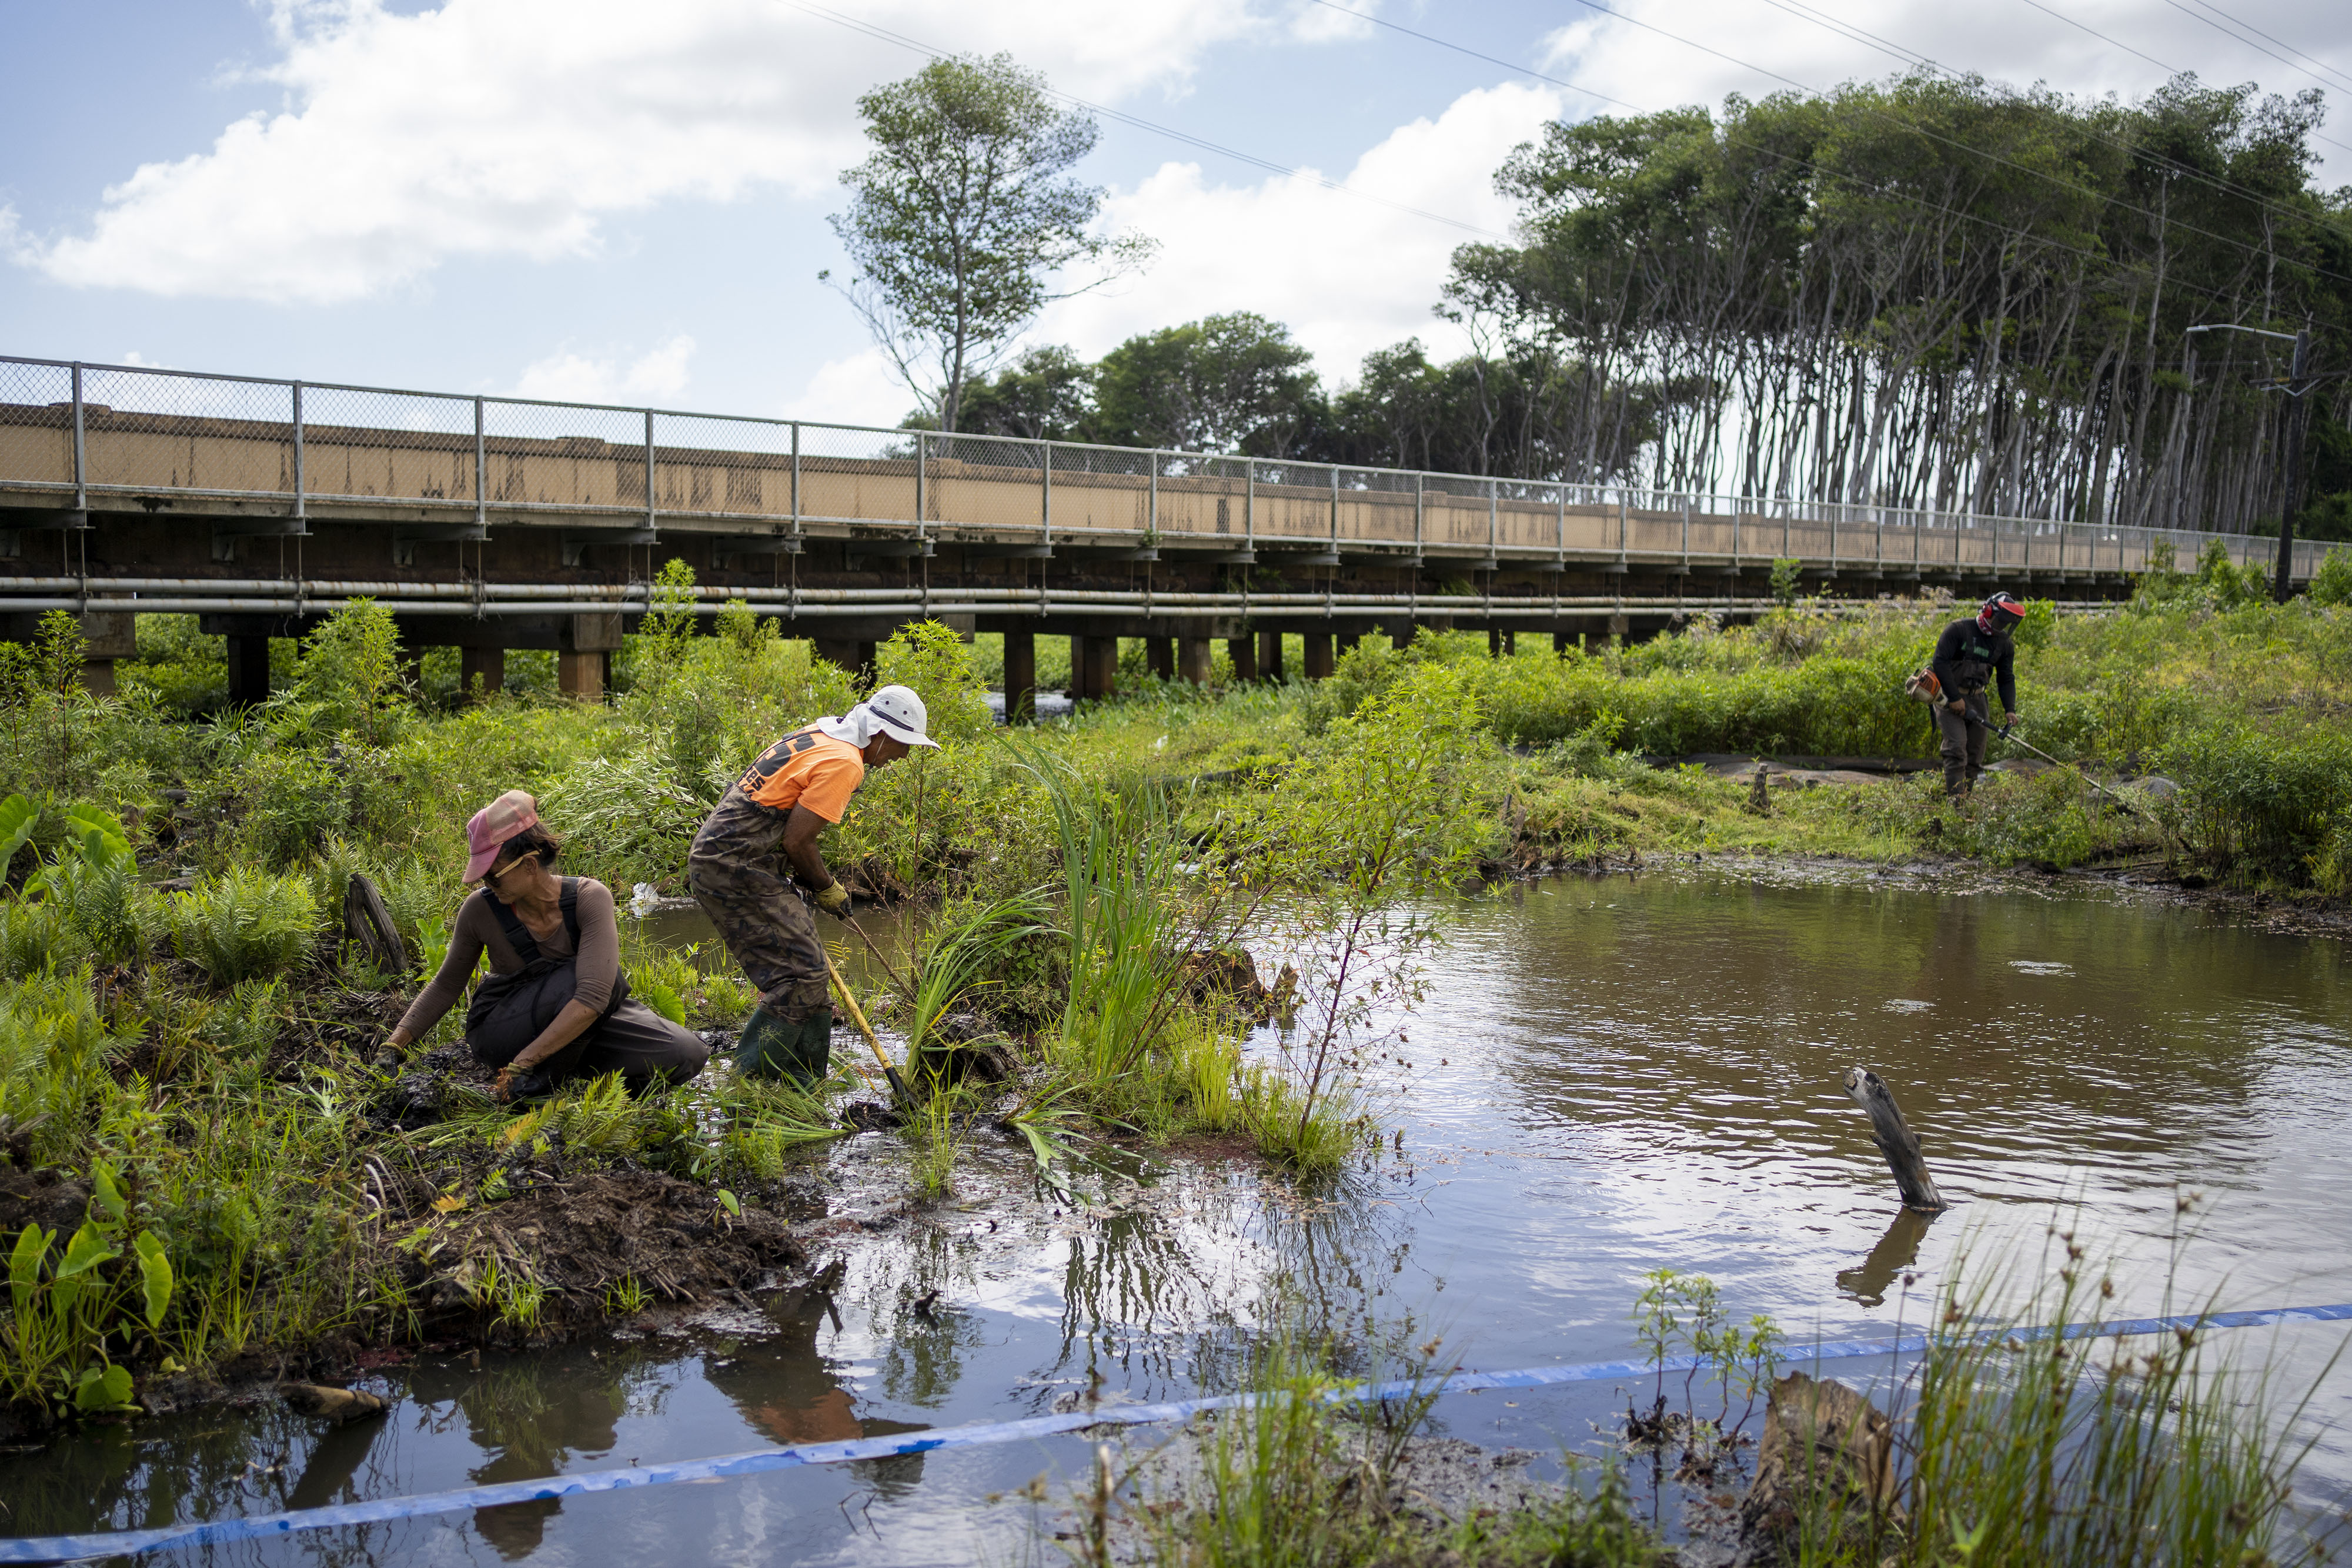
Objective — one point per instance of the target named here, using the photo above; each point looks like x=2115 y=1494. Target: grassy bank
x=202 y=1163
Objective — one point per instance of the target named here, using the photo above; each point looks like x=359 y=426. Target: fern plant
x=243 y=925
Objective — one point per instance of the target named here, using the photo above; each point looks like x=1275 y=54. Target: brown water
x=1608 y=1077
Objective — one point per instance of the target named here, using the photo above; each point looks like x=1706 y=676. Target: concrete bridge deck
x=491 y=523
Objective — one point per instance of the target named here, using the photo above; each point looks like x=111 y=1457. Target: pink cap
x=493 y=825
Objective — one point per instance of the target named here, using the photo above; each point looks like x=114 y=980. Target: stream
x=1607 y=1076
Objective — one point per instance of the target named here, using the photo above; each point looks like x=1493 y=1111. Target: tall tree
x=1236 y=383
x=964 y=217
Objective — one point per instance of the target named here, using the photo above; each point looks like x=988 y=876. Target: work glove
x=833 y=899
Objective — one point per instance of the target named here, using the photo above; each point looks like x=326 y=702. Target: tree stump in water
x=367 y=926
x=1824 y=1477
x=1895 y=1141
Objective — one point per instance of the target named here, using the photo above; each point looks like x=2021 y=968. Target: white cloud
x=859 y=389
x=518 y=128
x=567 y=377
x=1348 y=275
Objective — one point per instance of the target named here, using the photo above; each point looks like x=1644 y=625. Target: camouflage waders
x=736 y=873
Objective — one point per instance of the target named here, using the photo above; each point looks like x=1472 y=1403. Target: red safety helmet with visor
x=1999 y=613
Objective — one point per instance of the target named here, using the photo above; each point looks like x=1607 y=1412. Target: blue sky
x=614 y=201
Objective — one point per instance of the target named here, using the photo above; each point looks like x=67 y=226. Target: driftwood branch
x=368 y=926
x=1895 y=1140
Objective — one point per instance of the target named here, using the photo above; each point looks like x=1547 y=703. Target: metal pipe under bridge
x=491 y=523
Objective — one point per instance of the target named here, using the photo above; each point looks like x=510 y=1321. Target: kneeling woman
x=556 y=1005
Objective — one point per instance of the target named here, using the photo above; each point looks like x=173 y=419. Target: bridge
x=490 y=523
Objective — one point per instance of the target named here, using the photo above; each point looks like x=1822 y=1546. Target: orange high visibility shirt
x=808 y=769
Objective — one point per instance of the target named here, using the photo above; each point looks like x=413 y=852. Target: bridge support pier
x=851 y=653
x=1242 y=651
x=1318 y=657
x=1094 y=667
x=1561 y=642
x=1020 y=676
x=1500 y=644
x=1349 y=640
x=248 y=670
x=490 y=664
x=106 y=638
x=1192 y=660
x=1269 y=657
x=1161 y=654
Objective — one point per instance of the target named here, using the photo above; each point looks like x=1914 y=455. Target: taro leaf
x=103 y=1390
x=99 y=838
x=18 y=817
x=156 y=1270
x=661 y=998
x=105 y=1193
x=86 y=1251
x=24 y=1265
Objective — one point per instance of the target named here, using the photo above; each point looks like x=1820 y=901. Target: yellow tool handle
x=856 y=1013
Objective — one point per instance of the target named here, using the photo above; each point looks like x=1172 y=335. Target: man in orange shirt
x=761 y=834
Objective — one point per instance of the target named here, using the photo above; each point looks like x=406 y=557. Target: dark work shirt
x=1965 y=659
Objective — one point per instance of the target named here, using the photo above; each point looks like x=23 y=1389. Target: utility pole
x=2296 y=386
x=2282 y=589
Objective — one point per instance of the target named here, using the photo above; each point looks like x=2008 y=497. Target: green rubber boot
x=771 y=1048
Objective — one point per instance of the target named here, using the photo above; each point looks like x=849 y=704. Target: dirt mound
x=41 y=1197
x=578 y=1239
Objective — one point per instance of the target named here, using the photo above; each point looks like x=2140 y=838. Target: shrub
x=2270 y=801
x=291 y=800
x=243 y=925
x=2331 y=583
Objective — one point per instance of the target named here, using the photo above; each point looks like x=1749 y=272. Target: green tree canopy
x=1236 y=383
x=964 y=216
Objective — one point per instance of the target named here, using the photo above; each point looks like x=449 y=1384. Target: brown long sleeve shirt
x=478 y=931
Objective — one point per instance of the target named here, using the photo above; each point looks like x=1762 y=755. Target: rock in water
x=338 y=1405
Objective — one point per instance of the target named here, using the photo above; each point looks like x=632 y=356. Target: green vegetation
x=206 y=1045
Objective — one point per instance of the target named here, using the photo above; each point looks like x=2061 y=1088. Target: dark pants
x=633 y=1040
x=736 y=873
x=1965 y=734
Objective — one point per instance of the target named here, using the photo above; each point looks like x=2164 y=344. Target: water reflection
x=1896 y=1250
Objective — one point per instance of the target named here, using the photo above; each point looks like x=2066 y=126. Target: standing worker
x=760 y=835
x=1973 y=651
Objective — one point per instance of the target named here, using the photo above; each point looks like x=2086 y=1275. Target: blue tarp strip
x=112 y=1543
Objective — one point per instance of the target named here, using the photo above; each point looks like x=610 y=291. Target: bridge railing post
x=80 y=450
x=649 y=471
x=299 y=486
x=482 y=470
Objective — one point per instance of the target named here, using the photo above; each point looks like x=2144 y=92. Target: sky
x=610 y=201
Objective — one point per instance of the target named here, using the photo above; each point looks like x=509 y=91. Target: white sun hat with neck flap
x=893 y=711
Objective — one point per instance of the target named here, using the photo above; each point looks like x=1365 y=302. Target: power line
x=2151 y=59
x=1808 y=165
x=1892 y=50
x=886 y=35
x=1937 y=136
x=2340 y=85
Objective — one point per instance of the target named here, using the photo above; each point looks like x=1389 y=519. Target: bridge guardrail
x=72 y=431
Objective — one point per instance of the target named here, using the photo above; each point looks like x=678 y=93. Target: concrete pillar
x=1349 y=640
x=107 y=637
x=1161 y=653
x=580 y=676
x=490 y=664
x=849 y=653
x=1102 y=672
x=1080 y=668
x=1494 y=641
x=1020 y=676
x=1269 y=656
x=248 y=670
x=1192 y=660
x=1242 y=651
x=1561 y=642
x=1318 y=656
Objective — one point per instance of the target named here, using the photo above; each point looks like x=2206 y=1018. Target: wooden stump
x=1895 y=1141
x=1824 y=1475
x=367 y=926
